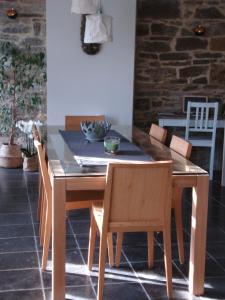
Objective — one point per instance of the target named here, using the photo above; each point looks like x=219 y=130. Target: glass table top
x=63 y=163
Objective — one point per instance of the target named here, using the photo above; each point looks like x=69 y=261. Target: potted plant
x=22 y=77
x=29 y=153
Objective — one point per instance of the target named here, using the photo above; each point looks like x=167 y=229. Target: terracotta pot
x=10 y=156
x=30 y=164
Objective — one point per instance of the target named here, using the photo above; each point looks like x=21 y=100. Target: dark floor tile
x=13 y=199
x=217 y=250
x=214 y=288
x=81 y=292
x=80 y=227
x=73 y=259
x=79 y=278
x=19 y=260
x=212 y=269
x=70 y=243
x=157 y=290
x=113 y=275
x=139 y=253
x=124 y=291
x=17 y=191
x=157 y=273
x=20 y=207
x=79 y=215
x=17 y=244
x=215 y=235
x=16 y=231
x=15 y=219
x=22 y=295
x=20 y=279
x=83 y=240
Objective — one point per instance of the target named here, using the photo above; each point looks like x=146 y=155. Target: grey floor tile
x=17 y=244
x=22 y=295
x=20 y=279
x=16 y=231
x=18 y=260
x=15 y=218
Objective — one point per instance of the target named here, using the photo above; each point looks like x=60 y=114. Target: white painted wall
x=83 y=84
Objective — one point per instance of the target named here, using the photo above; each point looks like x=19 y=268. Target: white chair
x=201 y=127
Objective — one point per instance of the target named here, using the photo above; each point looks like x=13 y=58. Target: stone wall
x=172 y=61
x=28 y=28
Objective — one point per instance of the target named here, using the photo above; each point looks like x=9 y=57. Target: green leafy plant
x=22 y=79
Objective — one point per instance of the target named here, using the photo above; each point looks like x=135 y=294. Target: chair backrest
x=181 y=146
x=201 y=118
x=44 y=170
x=158 y=133
x=73 y=122
x=137 y=194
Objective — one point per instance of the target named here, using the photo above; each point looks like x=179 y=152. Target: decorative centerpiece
x=111 y=144
x=95 y=131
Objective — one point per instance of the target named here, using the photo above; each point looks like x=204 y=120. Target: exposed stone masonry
x=28 y=28
x=172 y=61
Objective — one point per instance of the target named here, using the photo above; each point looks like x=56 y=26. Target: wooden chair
x=78 y=200
x=73 y=122
x=158 y=133
x=137 y=198
x=201 y=127
x=183 y=148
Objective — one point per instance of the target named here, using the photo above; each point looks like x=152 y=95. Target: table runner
x=92 y=153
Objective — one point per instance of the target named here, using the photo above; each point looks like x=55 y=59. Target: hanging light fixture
x=98 y=29
x=84 y=6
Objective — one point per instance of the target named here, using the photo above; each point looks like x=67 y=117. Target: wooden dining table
x=67 y=175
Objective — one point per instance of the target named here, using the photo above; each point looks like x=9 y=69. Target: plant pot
x=10 y=156
x=30 y=164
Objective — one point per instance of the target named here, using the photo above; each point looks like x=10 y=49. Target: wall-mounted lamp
x=11 y=13
x=199 y=29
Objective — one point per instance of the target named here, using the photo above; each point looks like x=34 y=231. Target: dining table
x=67 y=174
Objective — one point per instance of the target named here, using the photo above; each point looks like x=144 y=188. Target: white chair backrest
x=201 y=117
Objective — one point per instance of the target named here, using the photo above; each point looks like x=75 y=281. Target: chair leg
x=92 y=238
x=110 y=248
x=40 y=199
x=212 y=150
x=47 y=236
x=119 y=242
x=43 y=220
x=102 y=258
x=168 y=261
x=177 y=204
x=150 y=249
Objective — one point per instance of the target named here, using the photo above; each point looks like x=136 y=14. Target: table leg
x=198 y=235
x=58 y=239
x=223 y=162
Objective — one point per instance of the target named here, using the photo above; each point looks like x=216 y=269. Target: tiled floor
x=20 y=253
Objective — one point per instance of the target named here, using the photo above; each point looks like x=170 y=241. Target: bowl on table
x=96 y=130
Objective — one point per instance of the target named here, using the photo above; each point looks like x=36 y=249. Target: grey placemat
x=92 y=153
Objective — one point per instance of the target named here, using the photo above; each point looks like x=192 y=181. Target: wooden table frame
x=199 y=184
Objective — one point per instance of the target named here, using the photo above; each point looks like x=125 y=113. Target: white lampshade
x=98 y=29
x=85 y=6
